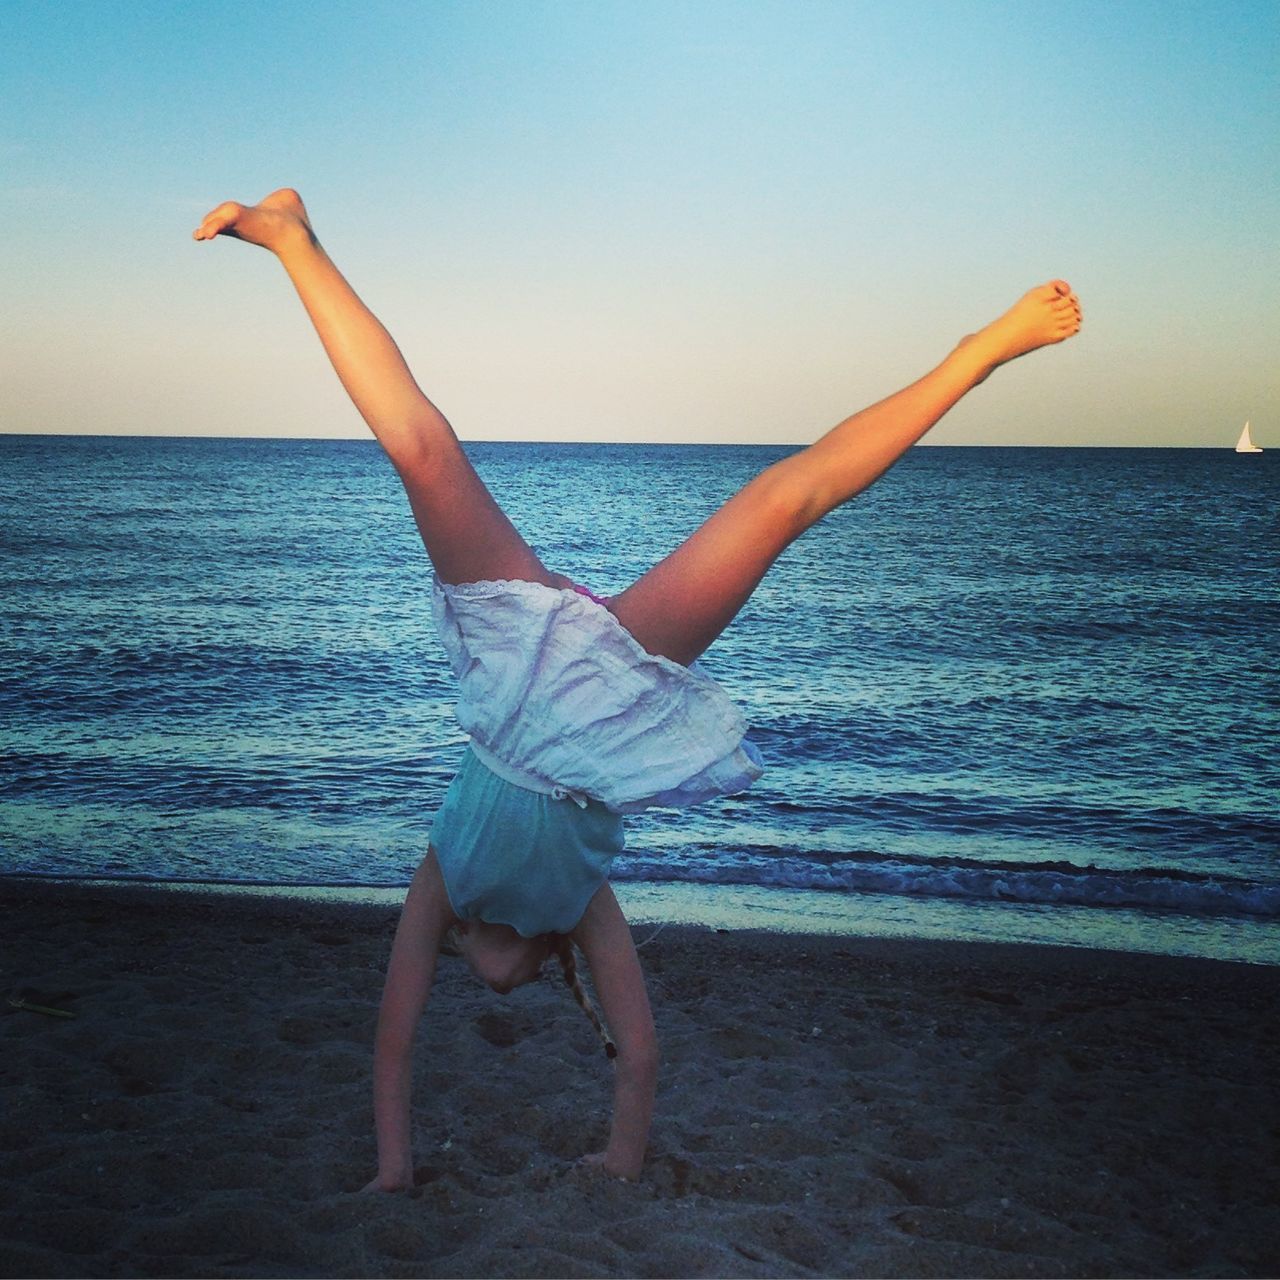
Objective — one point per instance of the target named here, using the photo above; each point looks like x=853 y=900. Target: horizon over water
x=605 y=442
x=1008 y=692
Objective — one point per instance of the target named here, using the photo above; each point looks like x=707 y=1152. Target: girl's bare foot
x=274 y=222
x=1048 y=313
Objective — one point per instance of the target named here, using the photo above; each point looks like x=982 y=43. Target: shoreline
x=827 y=1105
x=317 y=905
x=800 y=912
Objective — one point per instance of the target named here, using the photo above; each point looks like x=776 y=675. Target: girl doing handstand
x=579 y=709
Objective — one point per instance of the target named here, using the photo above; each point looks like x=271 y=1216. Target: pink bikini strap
x=591 y=595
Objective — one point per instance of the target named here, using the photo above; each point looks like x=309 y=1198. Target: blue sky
x=697 y=221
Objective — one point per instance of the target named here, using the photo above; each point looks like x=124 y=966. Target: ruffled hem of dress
x=726 y=761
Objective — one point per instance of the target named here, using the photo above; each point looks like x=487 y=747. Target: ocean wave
x=1043 y=884
x=1057 y=884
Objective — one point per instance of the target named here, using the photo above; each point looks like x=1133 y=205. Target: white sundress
x=572 y=725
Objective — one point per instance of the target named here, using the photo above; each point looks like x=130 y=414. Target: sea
x=1017 y=694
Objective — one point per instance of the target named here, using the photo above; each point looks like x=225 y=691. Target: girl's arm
x=605 y=939
x=426 y=918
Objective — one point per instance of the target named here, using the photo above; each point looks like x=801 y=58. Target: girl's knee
x=788 y=497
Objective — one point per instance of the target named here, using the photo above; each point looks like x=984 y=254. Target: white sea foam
x=1057 y=884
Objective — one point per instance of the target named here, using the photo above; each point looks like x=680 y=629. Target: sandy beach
x=828 y=1107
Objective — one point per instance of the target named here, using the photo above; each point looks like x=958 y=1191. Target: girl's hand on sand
x=274 y=222
x=388 y=1185
x=596 y=1163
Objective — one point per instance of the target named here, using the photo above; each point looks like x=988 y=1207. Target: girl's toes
x=225 y=215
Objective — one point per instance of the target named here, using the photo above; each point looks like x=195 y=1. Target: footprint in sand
x=330 y=939
x=742 y=1042
x=497 y=1029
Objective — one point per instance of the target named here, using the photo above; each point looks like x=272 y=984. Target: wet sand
x=827 y=1107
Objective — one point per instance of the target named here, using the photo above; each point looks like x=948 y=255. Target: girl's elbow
x=639 y=1058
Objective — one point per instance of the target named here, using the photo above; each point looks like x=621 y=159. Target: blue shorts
x=524 y=858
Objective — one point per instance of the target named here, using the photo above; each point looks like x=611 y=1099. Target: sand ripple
x=854 y=1107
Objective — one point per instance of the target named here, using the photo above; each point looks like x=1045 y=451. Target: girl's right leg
x=467 y=535
x=682 y=604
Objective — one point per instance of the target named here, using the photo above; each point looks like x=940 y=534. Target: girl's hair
x=563 y=949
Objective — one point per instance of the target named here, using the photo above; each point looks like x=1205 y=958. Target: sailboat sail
x=1245 y=443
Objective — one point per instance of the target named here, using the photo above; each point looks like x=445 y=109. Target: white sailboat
x=1245 y=443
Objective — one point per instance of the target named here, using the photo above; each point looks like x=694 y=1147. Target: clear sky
x=646 y=220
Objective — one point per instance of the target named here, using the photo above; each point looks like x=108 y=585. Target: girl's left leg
x=682 y=604
x=467 y=535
